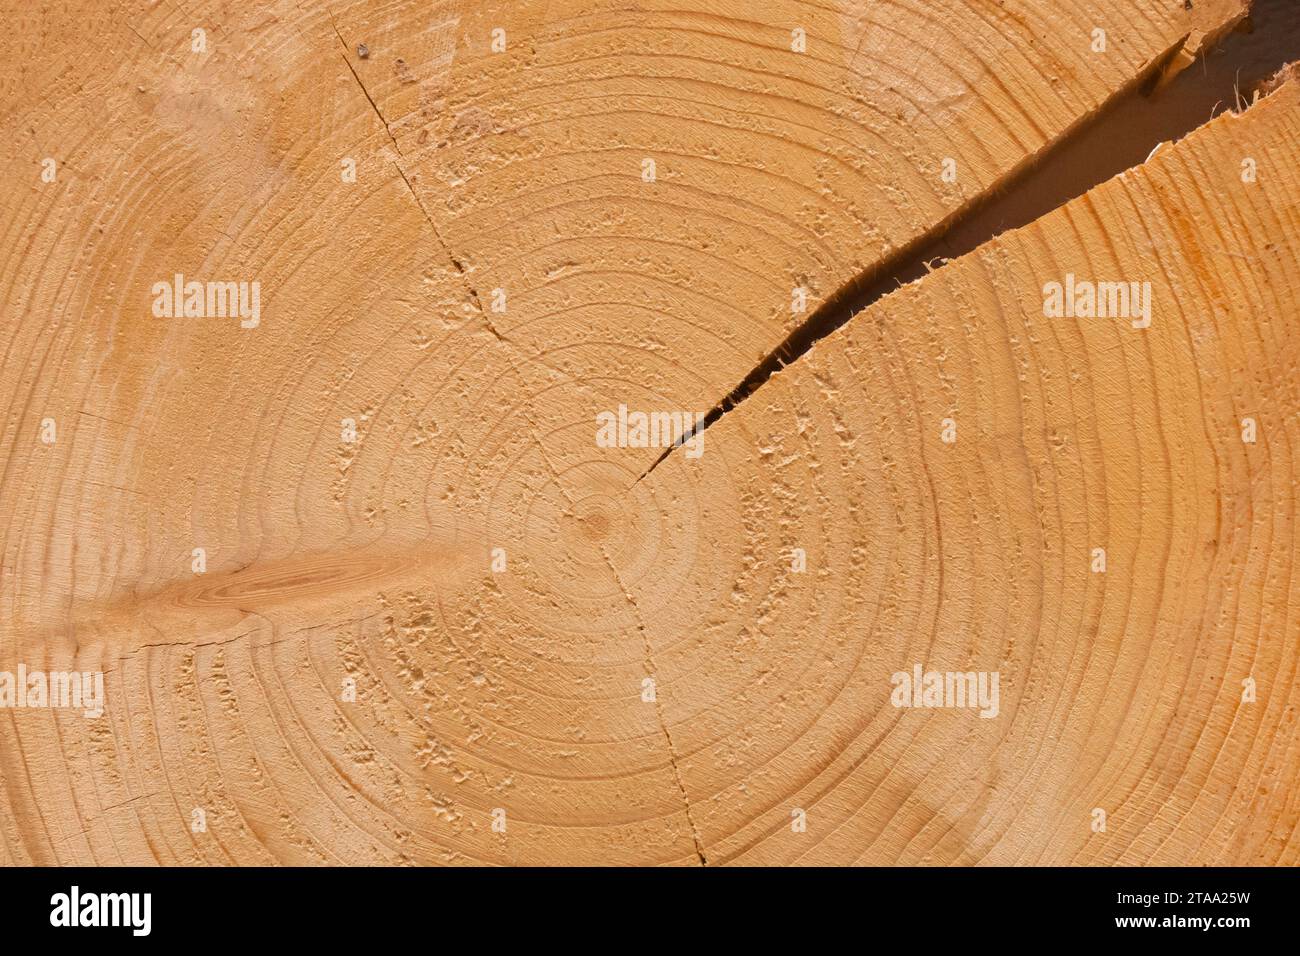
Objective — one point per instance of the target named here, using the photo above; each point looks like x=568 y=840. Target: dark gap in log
x=1120 y=135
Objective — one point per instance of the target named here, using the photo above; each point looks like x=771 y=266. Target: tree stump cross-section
x=366 y=445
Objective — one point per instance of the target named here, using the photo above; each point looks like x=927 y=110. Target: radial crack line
x=886 y=274
x=365 y=92
x=437 y=234
x=659 y=713
x=648 y=661
x=473 y=293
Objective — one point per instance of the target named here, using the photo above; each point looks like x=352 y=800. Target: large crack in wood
x=1042 y=182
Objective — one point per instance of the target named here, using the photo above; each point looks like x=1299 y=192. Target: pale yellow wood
x=522 y=690
x=1121 y=691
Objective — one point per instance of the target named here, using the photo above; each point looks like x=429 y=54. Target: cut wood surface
x=1120 y=690
x=366 y=586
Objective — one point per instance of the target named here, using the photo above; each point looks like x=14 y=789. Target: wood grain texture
x=1121 y=690
x=486 y=695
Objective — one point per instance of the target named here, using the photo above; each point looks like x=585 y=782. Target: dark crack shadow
x=1118 y=136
